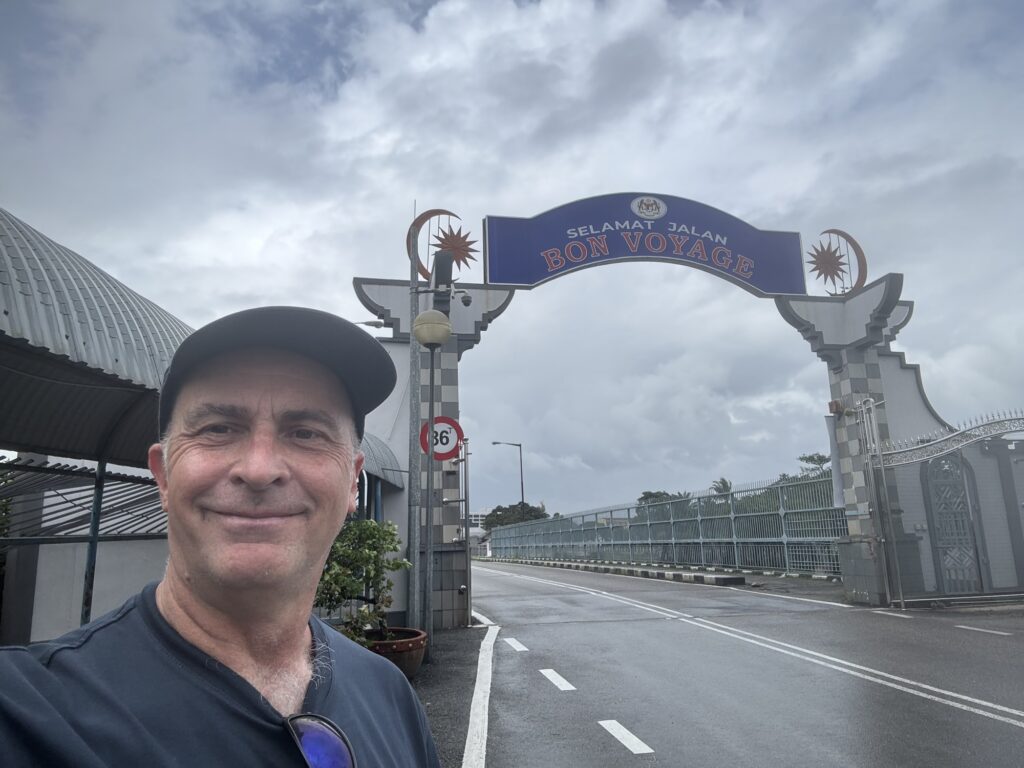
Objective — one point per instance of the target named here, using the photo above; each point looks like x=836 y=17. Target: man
x=221 y=664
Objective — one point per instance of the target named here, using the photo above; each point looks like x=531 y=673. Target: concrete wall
x=994 y=526
x=901 y=382
x=122 y=569
x=915 y=520
x=450 y=607
x=390 y=422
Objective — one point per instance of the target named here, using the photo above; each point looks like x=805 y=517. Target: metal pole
x=94 y=534
x=785 y=531
x=522 y=492
x=629 y=536
x=872 y=446
x=672 y=530
x=469 y=546
x=428 y=553
x=889 y=525
x=970 y=517
x=415 y=418
x=732 y=525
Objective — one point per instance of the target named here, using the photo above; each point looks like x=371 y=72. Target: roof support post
x=94 y=538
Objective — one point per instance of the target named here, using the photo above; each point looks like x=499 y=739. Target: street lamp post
x=522 y=492
x=432 y=329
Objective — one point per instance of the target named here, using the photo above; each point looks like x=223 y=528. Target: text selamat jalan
x=617 y=226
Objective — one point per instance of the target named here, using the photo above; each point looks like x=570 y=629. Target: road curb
x=687 y=577
x=577 y=564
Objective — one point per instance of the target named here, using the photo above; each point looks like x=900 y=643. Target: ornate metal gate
x=932 y=515
x=951 y=520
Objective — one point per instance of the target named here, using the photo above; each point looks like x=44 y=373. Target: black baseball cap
x=358 y=360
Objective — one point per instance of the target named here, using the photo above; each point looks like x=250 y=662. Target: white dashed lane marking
x=628 y=740
x=986 y=631
x=894 y=615
x=515 y=644
x=560 y=682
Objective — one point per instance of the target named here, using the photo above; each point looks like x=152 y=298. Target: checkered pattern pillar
x=858 y=377
x=450 y=608
x=849 y=333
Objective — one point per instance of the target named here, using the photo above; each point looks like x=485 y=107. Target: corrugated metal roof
x=56 y=300
x=381 y=461
x=82 y=357
x=53 y=503
x=81 y=354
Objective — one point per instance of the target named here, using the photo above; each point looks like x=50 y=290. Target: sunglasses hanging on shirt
x=322 y=743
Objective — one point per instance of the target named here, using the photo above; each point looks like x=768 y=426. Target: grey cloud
x=214 y=156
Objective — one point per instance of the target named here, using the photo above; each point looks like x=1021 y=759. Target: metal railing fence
x=789 y=526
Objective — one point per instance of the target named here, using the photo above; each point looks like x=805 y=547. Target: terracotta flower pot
x=404 y=649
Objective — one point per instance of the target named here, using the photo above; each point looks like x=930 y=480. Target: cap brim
x=358 y=360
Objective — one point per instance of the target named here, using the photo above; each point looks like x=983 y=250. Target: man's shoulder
x=56 y=682
x=87 y=638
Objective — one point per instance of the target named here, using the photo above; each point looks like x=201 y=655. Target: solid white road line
x=986 y=631
x=515 y=644
x=629 y=741
x=482 y=619
x=894 y=615
x=873 y=675
x=474 y=754
x=783 y=597
x=560 y=682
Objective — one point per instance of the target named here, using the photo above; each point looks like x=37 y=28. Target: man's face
x=260 y=472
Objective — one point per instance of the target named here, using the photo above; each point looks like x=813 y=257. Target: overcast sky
x=219 y=155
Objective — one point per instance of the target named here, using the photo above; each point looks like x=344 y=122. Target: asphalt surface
x=767 y=674
x=445 y=686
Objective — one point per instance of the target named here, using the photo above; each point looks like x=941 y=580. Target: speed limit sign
x=447 y=437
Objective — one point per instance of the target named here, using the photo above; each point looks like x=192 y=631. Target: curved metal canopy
x=81 y=354
x=82 y=357
x=381 y=461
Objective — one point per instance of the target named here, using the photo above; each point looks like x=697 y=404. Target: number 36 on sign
x=447 y=437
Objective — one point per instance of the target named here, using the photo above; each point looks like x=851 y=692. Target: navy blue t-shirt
x=128 y=690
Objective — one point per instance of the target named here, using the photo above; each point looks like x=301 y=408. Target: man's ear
x=155 y=457
x=357 y=468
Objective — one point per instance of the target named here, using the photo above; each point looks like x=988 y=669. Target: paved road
x=621 y=671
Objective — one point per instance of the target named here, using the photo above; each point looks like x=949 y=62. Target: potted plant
x=356 y=579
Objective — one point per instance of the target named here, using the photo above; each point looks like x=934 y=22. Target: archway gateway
x=850 y=330
x=525 y=253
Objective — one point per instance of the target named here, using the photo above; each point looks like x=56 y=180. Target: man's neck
x=265 y=639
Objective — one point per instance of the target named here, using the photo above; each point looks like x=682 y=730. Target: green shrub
x=356 y=577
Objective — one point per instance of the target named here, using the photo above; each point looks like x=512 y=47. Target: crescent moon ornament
x=862 y=262
x=412 y=238
x=830 y=264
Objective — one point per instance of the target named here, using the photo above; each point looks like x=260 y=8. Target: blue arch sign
x=524 y=253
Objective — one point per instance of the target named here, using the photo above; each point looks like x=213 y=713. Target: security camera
x=466 y=299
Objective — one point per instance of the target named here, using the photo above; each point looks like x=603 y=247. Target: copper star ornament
x=457 y=244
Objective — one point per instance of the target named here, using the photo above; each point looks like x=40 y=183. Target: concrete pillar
x=848 y=333
x=389 y=301
x=21 y=569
